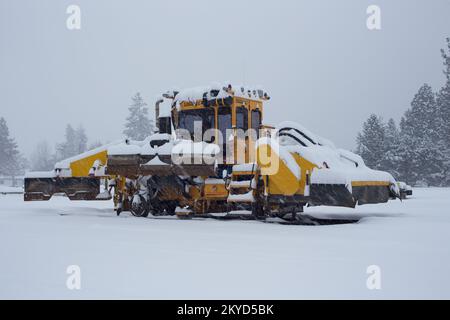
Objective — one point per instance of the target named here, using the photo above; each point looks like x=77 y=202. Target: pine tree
x=443 y=104
x=42 y=158
x=138 y=125
x=66 y=149
x=404 y=153
x=11 y=162
x=390 y=159
x=76 y=143
x=80 y=140
x=420 y=151
x=370 y=142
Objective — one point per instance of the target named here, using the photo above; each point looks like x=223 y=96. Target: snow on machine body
x=405 y=189
x=212 y=156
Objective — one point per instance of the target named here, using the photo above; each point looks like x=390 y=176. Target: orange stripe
x=370 y=183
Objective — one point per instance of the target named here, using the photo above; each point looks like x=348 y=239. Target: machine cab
x=230 y=119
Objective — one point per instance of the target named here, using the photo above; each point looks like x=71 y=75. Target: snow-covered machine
x=212 y=156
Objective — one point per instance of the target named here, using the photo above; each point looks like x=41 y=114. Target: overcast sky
x=321 y=65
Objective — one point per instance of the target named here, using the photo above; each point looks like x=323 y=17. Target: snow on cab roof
x=219 y=91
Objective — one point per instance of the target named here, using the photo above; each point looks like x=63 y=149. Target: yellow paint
x=243 y=173
x=194 y=192
x=190 y=106
x=214 y=191
x=305 y=167
x=280 y=180
x=80 y=168
x=370 y=183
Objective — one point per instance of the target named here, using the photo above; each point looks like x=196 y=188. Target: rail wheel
x=139 y=206
x=170 y=207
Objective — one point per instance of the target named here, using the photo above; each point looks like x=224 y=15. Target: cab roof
x=218 y=91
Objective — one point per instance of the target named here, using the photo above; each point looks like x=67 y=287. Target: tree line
x=13 y=163
x=417 y=150
x=44 y=157
x=138 y=126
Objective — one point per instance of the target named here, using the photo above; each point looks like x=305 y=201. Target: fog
x=321 y=65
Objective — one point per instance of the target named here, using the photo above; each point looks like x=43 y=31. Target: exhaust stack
x=157 y=113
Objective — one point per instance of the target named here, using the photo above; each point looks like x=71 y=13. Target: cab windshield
x=196 y=119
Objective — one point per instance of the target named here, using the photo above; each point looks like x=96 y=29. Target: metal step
x=245 y=168
x=246 y=197
x=234 y=184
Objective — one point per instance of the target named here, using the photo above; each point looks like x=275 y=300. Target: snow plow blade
x=372 y=194
x=339 y=195
x=331 y=195
x=123 y=165
x=75 y=188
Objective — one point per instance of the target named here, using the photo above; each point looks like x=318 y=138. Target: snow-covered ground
x=127 y=257
x=7 y=189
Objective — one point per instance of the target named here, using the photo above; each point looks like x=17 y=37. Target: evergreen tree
x=443 y=103
x=75 y=143
x=66 y=149
x=421 y=153
x=80 y=140
x=370 y=142
x=390 y=159
x=11 y=162
x=42 y=158
x=138 y=125
x=405 y=152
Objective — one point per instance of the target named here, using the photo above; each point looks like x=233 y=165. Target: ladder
x=242 y=185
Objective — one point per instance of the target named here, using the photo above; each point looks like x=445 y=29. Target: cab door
x=254 y=125
x=241 y=137
x=224 y=127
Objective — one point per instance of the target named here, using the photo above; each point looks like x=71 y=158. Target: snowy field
x=6 y=189
x=127 y=257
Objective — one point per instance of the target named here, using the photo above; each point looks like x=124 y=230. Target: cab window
x=256 y=120
x=203 y=117
x=242 y=118
x=224 y=122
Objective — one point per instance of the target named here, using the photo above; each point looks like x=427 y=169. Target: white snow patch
x=7 y=189
x=124 y=149
x=194 y=94
x=165 y=108
x=40 y=174
x=214 y=181
x=246 y=197
x=156 y=161
x=245 y=167
x=408 y=240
